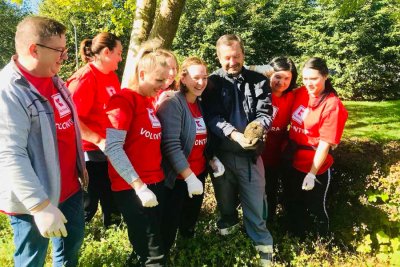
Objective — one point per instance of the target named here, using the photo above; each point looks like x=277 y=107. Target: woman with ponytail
x=317 y=123
x=133 y=147
x=91 y=87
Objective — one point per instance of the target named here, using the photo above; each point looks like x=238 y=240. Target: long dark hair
x=319 y=64
x=91 y=47
x=283 y=64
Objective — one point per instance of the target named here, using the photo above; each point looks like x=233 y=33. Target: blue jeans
x=31 y=246
x=243 y=182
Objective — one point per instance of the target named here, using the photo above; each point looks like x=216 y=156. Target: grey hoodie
x=29 y=164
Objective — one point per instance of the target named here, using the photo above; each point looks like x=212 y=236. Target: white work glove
x=194 y=185
x=50 y=222
x=243 y=141
x=147 y=196
x=217 y=167
x=308 y=182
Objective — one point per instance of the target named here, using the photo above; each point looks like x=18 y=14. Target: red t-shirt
x=65 y=130
x=91 y=90
x=134 y=113
x=311 y=124
x=196 y=159
x=277 y=135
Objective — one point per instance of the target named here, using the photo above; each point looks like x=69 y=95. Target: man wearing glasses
x=40 y=153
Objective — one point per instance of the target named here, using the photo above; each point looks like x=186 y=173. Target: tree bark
x=142 y=24
x=167 y=21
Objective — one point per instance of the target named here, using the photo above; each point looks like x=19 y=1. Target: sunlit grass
x=379 y=121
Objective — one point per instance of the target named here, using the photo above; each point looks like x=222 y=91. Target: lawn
x=379 y=121
x=364 y=208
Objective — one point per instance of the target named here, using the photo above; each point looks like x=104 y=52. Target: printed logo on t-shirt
x=200 y=126
x=299 y=114
x=61 y=105
x=153 y=118
x=110 y=90
x=274 y=111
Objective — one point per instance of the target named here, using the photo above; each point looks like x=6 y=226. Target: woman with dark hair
x=282 y=74
x=317 y=123
x=184 y=139
x=91 y=87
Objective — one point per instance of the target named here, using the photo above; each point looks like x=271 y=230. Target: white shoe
x=266 y=253
x=229 y=230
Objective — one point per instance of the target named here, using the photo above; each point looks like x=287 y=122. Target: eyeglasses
x=63 y=52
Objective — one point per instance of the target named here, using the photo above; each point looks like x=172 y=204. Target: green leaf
x=395 y=259
x=395 y=243
x=382 y=257
x=372 y=198
x=382 y=237
x=384 y=197
x=18 y=2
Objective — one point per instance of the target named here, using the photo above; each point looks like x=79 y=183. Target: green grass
x=367 y=164
x=378 y=121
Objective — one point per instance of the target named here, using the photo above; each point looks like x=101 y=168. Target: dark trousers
x=180 y=212
x=144 y=224
x=99 y=189
x=272 y=176
x=306 y=210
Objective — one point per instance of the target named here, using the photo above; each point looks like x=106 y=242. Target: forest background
x=360 y=40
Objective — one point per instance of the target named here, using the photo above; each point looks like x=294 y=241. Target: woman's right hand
x=146 y=196
x=164 y=95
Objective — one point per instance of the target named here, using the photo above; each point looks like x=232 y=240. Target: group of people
x=145 y=151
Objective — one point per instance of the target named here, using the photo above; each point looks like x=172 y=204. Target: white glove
x=308 y=182
x=194 y=185
x=243 y=141
x=146 y=196
x=217 y=167
x=50 y=222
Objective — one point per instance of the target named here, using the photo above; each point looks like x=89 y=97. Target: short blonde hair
x=149 y=57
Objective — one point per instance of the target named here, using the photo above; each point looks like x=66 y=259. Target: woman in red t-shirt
x=283 y=76
x=91 y=87
x=184 y=139
x=317 y=123
x=133 y=147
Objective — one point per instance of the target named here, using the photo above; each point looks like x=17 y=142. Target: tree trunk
x=167 y=21
x=142 y=24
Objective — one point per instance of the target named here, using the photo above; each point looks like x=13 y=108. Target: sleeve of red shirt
x=83 y=90
x=119 y=112
x=332 y=122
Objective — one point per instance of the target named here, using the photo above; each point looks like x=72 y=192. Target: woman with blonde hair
x=133 y=149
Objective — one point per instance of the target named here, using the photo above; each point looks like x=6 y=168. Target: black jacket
x=218 y=99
